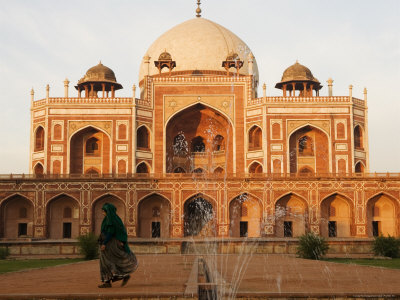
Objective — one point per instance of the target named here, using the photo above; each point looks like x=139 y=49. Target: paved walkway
x=167 y=275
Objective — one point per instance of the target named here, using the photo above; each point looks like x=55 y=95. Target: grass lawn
x=17 y=265
x=386 y=263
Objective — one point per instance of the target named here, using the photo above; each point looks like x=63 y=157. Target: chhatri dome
x=198 y=44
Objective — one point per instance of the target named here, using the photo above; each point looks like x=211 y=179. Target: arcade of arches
x=154 y=217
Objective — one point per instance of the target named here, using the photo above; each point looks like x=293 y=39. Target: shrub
x=312 y=246
x=88 y=246
x=4 y=252
x=386 y=246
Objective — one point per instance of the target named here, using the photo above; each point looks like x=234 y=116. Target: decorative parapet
x=56 y=101
x=319 y=99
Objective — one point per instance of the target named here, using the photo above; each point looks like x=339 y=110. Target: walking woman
x=117 y=261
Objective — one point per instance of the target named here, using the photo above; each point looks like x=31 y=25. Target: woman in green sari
x=117 y=261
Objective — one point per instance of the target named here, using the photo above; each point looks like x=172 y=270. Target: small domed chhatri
x=98 y=78
x=298 y=77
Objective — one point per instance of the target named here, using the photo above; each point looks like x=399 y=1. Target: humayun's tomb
x=197 y=152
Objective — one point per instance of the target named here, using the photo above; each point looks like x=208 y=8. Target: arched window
x=122 y=132
x=92 y=146
x=276 y=131
x=38 y=169
x=39 y=139
x=121 y=166
x=306 y=147
x=57 y=132
x=358 y=138
x=306 y=171
x=198 y=171
x=219 y=170
x=255 y=167
x=143 y=138
x=56 y=167
x=255 y=138
x=219 y=143
x=142 y=168
x=198 y=144
x=179 y=170
x=23 y=212
x=92 y=171
x=340 y=131
x=67 y=213
x=359 y=167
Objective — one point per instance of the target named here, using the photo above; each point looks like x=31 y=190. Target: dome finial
x=198 y=10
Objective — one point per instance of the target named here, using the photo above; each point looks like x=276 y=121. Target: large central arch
x=198 y=137
x=90 y=151
x=309 y=151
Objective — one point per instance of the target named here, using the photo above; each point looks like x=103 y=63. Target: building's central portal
x=198 y=217
x=198 y=140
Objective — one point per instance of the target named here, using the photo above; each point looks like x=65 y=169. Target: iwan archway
x=198 y=137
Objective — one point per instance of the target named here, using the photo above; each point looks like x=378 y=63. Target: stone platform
x=169 y=276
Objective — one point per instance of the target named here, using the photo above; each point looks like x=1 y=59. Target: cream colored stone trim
x=121 y=148
x=38 y=155
x=90 y=111
x=57 y=148
x=144 y=155
x=254 y=112
x=276 y=147
x=308 y=110
x=144 y=113
x=341 y=147
x=255 y=154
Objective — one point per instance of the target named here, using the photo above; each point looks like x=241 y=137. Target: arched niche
x=291 y=216
x=16 y=218
x=359 y=167
x=255 y=167
x=143 y=138
x=142 y=168
x=90 y=149
x=198 y=136
x=199 y=217
x=309 y=147
x=38 y=169
x=154 y=214
x=245 y=215
x=59 y=224
x=382 y=216
x=336 y=216
x=97 y=214
x=255 y=138
x=358 y=138
x=39 y=139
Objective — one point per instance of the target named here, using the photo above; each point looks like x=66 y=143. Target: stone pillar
x=92 y=90
x=66 y=85
x=284 y=90
x=47 y=92
x=147 y=64
x=330 y=84
x=250 y=61
x=32 y=95
x=79 y=92
x=350 y=92
x=112 y=92
x=103 y=87
x=264 y=92
x=294 y=89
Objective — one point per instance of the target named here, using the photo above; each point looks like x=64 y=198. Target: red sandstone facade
x=253 y=166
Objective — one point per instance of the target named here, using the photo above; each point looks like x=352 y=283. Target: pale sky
x=355 y=42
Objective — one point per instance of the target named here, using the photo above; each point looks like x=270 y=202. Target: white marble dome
x=198 y=44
